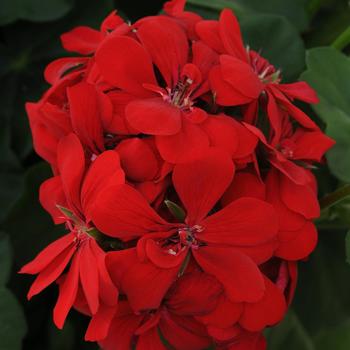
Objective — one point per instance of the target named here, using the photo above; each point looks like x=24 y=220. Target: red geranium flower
x=227 y=244
x=167 y=112
x=243 y=77
x=70 y=198
x=193 y=294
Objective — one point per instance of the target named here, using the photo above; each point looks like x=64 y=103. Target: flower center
x=266 y=72
x=184 y=238
x=180 y=95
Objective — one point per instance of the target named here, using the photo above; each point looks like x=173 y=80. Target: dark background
x=29 y=40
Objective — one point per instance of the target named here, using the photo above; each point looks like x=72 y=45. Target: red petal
x=138 y=159
x=208 y=31
x=167 y=45
x=241 y=76
x=182 y=333
x=244 y=184
x=68 y=293
x=111 y=22
x=299 y=90
x=222 y=133
x=83 y=40
x=239 y=275
x=150 y=341
x=89 y=277
x=51 y=193
x=244 y=222
x=104 y=171
x=201 y=183
x=187 y=145
x=57 y=69
x=230 y=34
x=51 y=272
x=247 y=141
x=124 y=63
x=293 y=111
x=288 y=219
x=297 y=245
x=300 y=199
x=85 y=114
x=107 y=290
x=225 y=315
x=71 y=169
x=144 y=284
x=267 y=312
x=311 y=145
x=122 y=329
x=123 y=212
x=194 y=294
x=274 y=113
x=162 y=258
x=154 y=116
x=46 y=256
x=293 y=172
x=204 y=58
x=225 y=93
x=100 y=323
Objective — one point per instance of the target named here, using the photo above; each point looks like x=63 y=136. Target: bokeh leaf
x=29 y=226
x=293 y=10
x=347 y=247
x=5 y=258
x=12 y=322
x=277 y=40
x=289 y=335
x=328 y=72
x=12 y=187
x=33 y=10
x=334 y=338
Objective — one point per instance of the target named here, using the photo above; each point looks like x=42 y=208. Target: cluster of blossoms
x=183 y=175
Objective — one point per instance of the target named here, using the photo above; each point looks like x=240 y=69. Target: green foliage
x=293 y=10
x=277 y=40
x=289 y=335
x=12 y=322
x=328 y=72
x=33 y=10
x=5 y=258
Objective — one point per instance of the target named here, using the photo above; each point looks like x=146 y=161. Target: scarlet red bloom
x=70 y=198
x=243 y=77
x=182 y=169
x=224 y=244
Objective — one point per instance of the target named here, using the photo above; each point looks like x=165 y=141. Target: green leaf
x=218 y=5
x=5 y=258
x=289 y=335
x=322 y=299
x=278 y=41
x=329 y=74
x=62 y=339
x=33 y=10
x=30 y=228
x=334 y=338
x=293 y=10
x=12 y=186
x=347 y=247
x=12 y=322
x=176 y=210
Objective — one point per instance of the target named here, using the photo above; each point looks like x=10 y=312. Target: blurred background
x=286 y=32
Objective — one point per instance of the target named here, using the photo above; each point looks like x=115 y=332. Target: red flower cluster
x=183 y=175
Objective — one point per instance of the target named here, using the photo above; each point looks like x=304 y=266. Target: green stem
x=335 y=197
x=343 y=40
